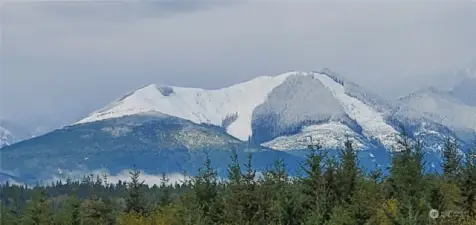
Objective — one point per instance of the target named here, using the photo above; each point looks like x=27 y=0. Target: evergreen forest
x=328 y=191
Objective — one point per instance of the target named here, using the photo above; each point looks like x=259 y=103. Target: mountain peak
x=284 y=101
x=196 y=104
x=430 y=90
x=152 y=90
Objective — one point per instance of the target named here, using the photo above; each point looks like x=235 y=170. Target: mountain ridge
x=442 y=106
x=194 y=101
x=163 y=126
x=239 y=105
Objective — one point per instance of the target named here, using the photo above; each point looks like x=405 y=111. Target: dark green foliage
x=406 y=179
x=348 y=173
x=451 y=159
x=332 y=191
x=38 y=211
x=468 y=181
x=135 y=201
x=205 y=189
x=166 y=194
x=313 y=187
x=8 y=215
x=74 y=211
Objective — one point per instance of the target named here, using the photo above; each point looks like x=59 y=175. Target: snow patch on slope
x=197 y=105
x=442 y=107
x=329 y=135
x=5 y=137
x=371 y=121
x=299 y=101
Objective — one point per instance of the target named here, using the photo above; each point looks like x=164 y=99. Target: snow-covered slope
x=344 y=112
x=197 y=105
x=330 y=135
x=284 y=112
x=6 y=137
x=441 y=106
x=371 y=121
x=280 y=112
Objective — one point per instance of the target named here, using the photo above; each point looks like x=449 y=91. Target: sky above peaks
x=61 y=60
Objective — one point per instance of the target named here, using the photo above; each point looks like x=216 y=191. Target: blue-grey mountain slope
x=155 y=143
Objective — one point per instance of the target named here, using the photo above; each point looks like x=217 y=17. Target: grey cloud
x=113 y=11
x=75 y=59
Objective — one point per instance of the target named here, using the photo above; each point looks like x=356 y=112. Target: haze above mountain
x=465 y=88
x=62 y=60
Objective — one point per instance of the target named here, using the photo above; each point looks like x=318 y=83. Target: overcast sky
x=72 y=58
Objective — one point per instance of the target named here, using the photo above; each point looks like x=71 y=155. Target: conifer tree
x=468 y=181
x=95 y=211
x=205 y=189
x=233 y=206
x=250 y=201
x=75 y=210
x=38 y=211
x=331 y=187
x=406 y=179
x=451 y=159
x=165 y=193
x=234 y=171
x=135 y=200
x=348 y=172
x=8 y=215
x=282 y=203
x=313 y=186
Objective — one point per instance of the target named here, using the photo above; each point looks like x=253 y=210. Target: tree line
x=329 y=191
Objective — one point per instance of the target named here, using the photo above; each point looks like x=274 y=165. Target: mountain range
x=169 y=129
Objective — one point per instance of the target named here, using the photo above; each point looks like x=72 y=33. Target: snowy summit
x=195 y=104
x=289 y=96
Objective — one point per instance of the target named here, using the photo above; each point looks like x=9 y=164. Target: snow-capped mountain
x=444 y=108
x=167 y=128
x=197 y=105
x=454 y=106
x=281 y=112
